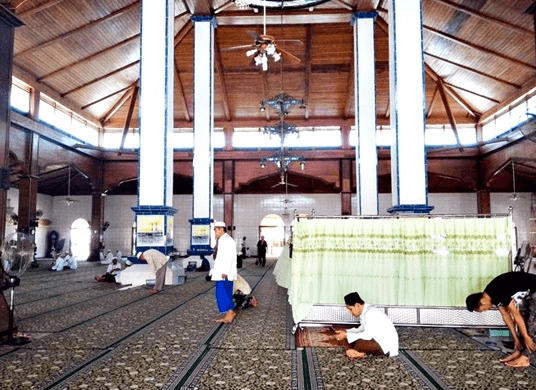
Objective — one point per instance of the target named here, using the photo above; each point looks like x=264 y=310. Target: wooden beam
x=180 y=93
x=105 y=97
x=487 y=18
x=90 y=58
x=39 y=8
x=99 y=78
x=133 y=99
x=469 y=69
x=343 y=4
x=118 y=104
x=221 y=79
x=308 y=55
x=470 y=45
x=433 y=75
x=80 y=29
x=432 y=102
x=472 y=92
x=182 y=33
x=318 y=16
x=350 y=92
x=449 y=113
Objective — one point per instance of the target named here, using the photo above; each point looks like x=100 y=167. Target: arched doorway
x=273 y=229
x=80 y=239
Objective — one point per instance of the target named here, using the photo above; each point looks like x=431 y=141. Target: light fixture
x=302 y=165
x=249 y=53
x=282 y=102
x=263 y=164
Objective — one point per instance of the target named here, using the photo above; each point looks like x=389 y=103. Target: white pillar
x=154 y=212
x=407 y=103
x=203 y=153
x=365 y=117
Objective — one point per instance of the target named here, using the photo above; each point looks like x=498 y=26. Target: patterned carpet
x=88 y=335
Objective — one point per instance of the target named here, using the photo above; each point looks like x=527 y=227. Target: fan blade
x=278 y=184
x=292 y=185
x=288 y=55
x=237 y=48
x=291 y=42
x=254 y=35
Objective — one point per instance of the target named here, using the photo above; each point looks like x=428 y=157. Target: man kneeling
x=375 y=336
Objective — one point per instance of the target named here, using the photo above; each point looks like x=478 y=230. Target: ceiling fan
x=515 y=196
x=68 y=200
x=284 y=182
x=265 y=47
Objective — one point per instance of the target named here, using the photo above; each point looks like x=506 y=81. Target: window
x=46 y=112
x=315 y=137
x=383 y=136
x=253 y=138
x=20 y=99
x=112 y=139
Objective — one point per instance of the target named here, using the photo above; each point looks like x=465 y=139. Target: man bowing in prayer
x=376 y=336
x=158 y=264
x=508 y=291
x=224 y=272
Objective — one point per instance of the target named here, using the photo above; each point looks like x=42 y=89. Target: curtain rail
x=314 y=216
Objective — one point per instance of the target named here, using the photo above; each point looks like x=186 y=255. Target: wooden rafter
x=180 y=93
x=126 y=127
x=472 y=92
x=432 y=102
x=308 y=45
x=182 y=32
x=449 y=113
x=476 y=47
x=433 y=75
x=39 y=8
x=90 y=58
x=105 y=97
x=80 y=29
x=118 y=104
x=469 y=69
x=221 y=80
x=99 y=78
x=350 y=92
x=487 y=18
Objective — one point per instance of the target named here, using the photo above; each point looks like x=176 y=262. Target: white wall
x=248 y=213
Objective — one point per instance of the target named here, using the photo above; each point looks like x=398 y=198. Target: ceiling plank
x=39 y=8
x=469 y=69
x=90 y=58
x=350 y=94
x=476 y=47
x=221 y=79
x=471 y=92
x=133 y=99
x=80 y=29
x=182 y=33
x=99 y=78
x=432 y=102
x=449 y=113
x=487 y=18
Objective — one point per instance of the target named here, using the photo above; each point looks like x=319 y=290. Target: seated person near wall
x=507 y=291
x=58 y=262
x=111 y=271
x=375 y=336
x=70 y=261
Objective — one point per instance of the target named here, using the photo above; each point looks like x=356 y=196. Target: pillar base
x=410 y=209
x=200 y=237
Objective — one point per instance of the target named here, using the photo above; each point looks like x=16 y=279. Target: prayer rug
x=322 y=337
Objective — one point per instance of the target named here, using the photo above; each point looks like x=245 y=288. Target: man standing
x=506 y=291
x=262 y=245
x=224 y=272
x=375 y=336
x=158 y=264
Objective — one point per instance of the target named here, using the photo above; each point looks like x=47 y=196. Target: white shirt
x=113 y=268
x=375 y=325
x=225 y=262
x=155 y=259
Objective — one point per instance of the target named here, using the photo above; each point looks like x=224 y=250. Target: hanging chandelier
x=282 y=102
x=282 y=161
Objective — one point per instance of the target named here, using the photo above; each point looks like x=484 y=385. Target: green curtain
x=418 y=261
x=282 y=269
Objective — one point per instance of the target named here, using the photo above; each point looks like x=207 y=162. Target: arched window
x=273 y=229
x=80 y=239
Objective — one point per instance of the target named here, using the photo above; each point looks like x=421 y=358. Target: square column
x=154 y=212
x=408 y=109
x=365 y=113
x=203 y=153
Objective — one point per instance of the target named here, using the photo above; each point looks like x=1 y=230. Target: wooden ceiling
x=479 y=57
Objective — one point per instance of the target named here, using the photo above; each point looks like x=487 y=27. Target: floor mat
x=320 y=337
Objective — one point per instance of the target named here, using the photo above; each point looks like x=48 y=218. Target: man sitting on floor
x=506 y=291
x=375 y=336
x=111 y=271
